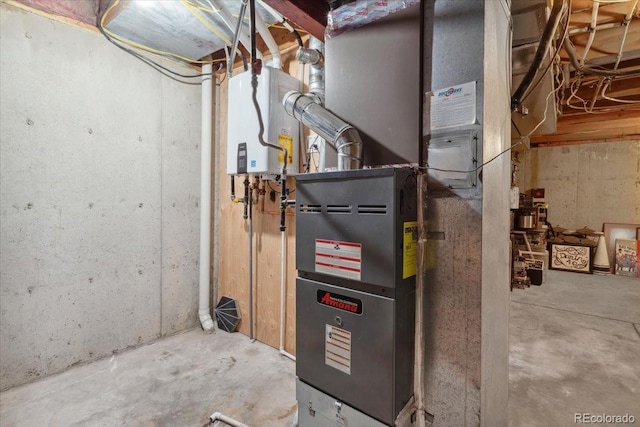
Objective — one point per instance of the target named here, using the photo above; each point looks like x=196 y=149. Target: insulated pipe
x=204 y=311
x=283 y=290
x=217 y=416
x=263 y=30
x=344 y=137
x=543 y=47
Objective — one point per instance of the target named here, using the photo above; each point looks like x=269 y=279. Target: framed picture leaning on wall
x=570 y=257
x=626 y=257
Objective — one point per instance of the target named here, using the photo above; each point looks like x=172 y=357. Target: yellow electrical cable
x=158 y=52
x=206 y=9
x=194 y=11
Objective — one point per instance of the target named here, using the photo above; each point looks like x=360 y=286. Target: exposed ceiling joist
x=614 y=126
x=311 y=15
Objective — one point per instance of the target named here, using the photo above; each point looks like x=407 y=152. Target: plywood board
x=233 y=239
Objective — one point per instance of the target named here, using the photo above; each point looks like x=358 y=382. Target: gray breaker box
x=355 y=294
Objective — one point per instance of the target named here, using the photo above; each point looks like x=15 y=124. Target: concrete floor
x=177 y=381
x=575 y=347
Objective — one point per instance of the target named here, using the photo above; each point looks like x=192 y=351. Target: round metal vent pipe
x=340 y=134
x=314 y=56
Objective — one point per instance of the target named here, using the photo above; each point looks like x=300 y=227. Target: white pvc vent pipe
x=204 y=310
x=229 y=20
x=218 y=416
x=263 y=30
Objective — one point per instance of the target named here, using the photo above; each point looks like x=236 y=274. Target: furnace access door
x=356 y=245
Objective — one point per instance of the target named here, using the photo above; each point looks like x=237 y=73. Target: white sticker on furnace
x=337 y=349
x=343 y=259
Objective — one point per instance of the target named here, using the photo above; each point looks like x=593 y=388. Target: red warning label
x=342 y=259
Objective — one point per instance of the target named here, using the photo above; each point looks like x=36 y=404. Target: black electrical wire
x=516 y=127
x=271 y=188
x=472 y=170
x=255 y=67
x=296 y=34
x=276 y=191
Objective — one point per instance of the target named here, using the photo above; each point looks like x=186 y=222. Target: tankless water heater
x=245 y=154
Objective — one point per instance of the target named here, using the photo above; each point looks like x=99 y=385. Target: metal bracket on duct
x=340 y=134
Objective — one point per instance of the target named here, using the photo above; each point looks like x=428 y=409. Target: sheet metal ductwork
x=340 y=134
x=314 y=56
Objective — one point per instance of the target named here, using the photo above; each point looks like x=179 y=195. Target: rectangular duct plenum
x=529 y=19
x=373 y=83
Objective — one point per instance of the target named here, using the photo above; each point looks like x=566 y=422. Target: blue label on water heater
x=253 y=163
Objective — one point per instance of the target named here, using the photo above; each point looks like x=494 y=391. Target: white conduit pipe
x=592 y=31
x=418 y=364
x=271 y=10
x=276 y=15
x=204 y=311
x=283 y=291
x=626 y=23
x=268 y=39
x=217 y=416
x=229 y=20
x=598 y=27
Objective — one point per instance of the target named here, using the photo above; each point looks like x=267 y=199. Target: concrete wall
x=589 y=184
x=99 y=185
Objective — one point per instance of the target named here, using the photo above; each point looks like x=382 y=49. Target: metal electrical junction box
x=245 y=154
x=356 y=242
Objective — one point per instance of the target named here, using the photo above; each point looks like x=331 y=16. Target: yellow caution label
x=409 y=249
x=285 y=141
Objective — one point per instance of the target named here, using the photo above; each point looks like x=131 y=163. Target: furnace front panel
x=356 y=241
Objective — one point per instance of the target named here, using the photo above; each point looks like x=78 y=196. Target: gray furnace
x=356 y=248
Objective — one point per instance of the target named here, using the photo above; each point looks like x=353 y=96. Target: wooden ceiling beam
x=310 y=15
x=619 y=125
x=618 y=88
x=79 y=11
x=569 y=141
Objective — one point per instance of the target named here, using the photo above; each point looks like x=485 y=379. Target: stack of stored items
x=583 y=236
